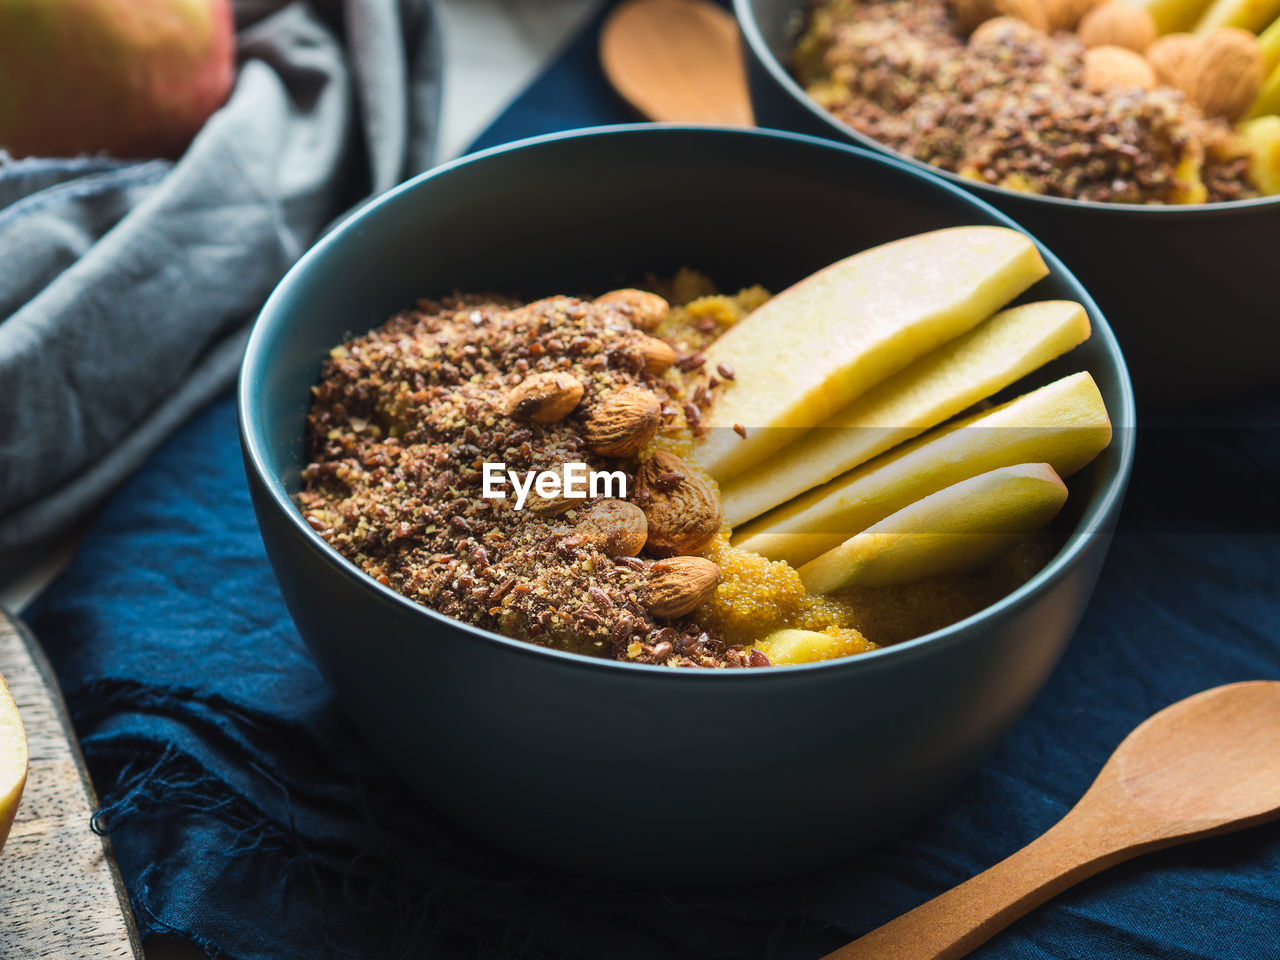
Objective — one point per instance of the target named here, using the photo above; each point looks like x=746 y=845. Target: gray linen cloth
x=126 y=288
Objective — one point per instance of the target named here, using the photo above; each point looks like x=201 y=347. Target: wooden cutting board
x=60 y=892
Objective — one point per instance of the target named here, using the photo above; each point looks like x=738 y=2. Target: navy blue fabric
x=248 y=817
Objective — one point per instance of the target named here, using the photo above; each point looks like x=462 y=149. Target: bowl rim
x=275 y=310
x=755 y=42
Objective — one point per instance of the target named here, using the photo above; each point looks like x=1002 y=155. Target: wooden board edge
x=47 y=674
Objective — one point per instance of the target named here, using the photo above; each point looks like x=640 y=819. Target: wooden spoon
x=1207 y=765
x=677 y=61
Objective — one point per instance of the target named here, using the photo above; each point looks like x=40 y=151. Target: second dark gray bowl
x=640 y=772
x=1190 y=290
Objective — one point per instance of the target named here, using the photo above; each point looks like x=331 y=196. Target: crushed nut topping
x=404 y=418
x=1010 y=107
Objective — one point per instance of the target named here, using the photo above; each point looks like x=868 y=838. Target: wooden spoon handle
x=954 y=923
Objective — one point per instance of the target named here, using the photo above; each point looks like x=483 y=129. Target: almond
x=622 y=423
x=617 y=527
x=1067 y=14
x=1112 y=67
x=544 y=397
x=658 y=355
x=679 y=585
x=968 y=14
x=1224 y=73
x=1169 y=56
x=1002 y=31
x=1031 y=12
x=683 y=510
x=645 y=310
x=1118 y=24
x=541 y=506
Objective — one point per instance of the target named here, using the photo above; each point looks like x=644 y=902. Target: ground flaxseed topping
x=403 y=420
x=1009 y=107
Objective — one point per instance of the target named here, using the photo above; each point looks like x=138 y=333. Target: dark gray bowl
x=1190 y=289
x=639 y=772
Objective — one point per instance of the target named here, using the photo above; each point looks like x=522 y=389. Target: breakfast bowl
x=1187 y=287
x=632 y=771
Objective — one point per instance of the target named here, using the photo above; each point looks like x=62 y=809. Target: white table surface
x=492 y=49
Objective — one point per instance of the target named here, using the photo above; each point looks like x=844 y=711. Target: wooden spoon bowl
x=677 y=61
x=1207 y=765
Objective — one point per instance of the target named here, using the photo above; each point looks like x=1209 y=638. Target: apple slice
x=1269 y=41
x=810 y=646
x=810 y=350
x=949 y=380
x=1176 y=16
x=1251 y=15
x=1262 y=134
x=1063 y=424
x=13 y=760
x=1267 y=102
x=963 y=527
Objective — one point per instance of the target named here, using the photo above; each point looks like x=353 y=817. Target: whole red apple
x=132 y=78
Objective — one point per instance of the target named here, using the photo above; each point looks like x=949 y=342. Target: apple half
x=13 y=760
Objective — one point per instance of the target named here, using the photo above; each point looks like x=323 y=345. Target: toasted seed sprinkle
x=667 y=481
x=691 y=361
x=740 y=430
x=403 y=420
x=725 y=371
x=1010 y=108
